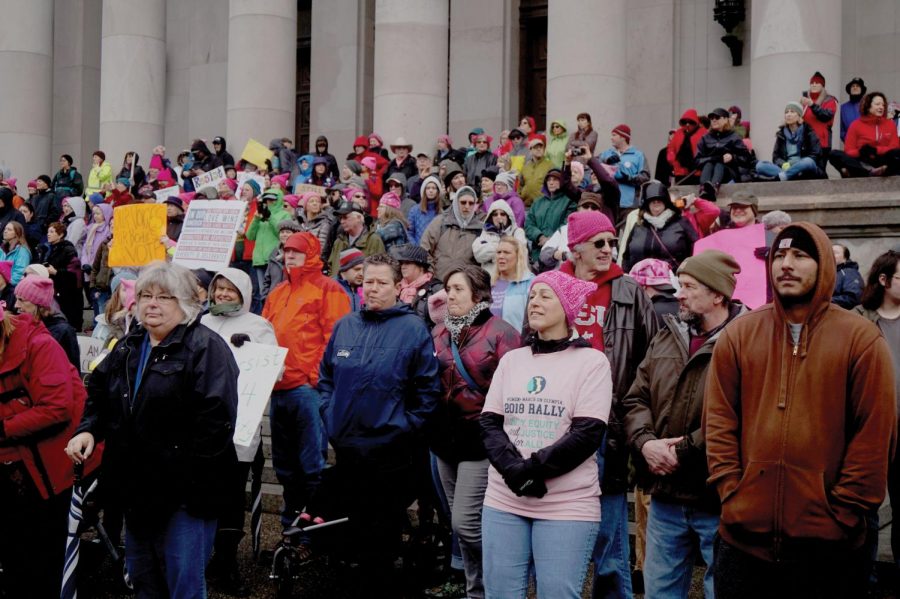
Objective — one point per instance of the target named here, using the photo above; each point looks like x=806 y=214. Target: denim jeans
x=612 y=556
x=456 y=562
x=674 y=534
x=804 y=166
x=559 y=550
x=465 y=484
x=298 y=446
x=171 y=562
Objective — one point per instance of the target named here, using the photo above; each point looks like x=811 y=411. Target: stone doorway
x=533 y=61
x=304 y=43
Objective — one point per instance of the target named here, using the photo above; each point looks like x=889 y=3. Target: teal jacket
x=20 y=256
x=547 y=215
x=265 y=232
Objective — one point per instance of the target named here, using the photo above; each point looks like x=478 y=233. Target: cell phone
x=805 y=94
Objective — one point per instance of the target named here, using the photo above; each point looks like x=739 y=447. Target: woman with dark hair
x=32 y=228
x=469 y=345
x=872 y=148
x=100 y=177
x=14 y=248
x=584 y=133
x=65 y=271
x=721 y=152
x=660 y=231
x=132 y=171
x=67 y=181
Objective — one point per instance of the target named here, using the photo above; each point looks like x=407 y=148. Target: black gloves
x=612 y=159
x=762 y=252
x=522 y=480
x=239 y=339
x=263 y=211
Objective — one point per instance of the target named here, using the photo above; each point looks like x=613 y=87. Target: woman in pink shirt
x=544 y=418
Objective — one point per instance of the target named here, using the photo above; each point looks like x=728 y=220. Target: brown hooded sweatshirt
x=798 y=437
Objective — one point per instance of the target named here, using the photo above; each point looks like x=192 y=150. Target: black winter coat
x=47 y=209
x=62 y=331
x=716 y=144
x=170 y=443
x=673 y=243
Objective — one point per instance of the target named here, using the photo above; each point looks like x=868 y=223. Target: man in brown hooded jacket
x=800 y=424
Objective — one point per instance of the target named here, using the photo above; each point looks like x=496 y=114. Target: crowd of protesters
x=512 y=334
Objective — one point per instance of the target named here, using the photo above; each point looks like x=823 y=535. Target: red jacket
x=39 y=420
x=678 y=138
x=875 y=131
x=820 y=116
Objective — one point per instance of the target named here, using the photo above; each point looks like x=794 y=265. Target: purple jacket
x=514 y=201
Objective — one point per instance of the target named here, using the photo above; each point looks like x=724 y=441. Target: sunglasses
x=613 y=243
x=461 y=203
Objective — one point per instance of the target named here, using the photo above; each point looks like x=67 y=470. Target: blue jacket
x=631 y=162
x=515 y=300
x=20 y=256
x=379 y=383
x=355 y=301
x=419 y=221
x=848 y=285
x=849 y=113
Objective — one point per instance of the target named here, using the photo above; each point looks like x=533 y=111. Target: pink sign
x=741 y=244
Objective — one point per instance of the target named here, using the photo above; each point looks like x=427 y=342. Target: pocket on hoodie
x=807 y=511
x=752 y=503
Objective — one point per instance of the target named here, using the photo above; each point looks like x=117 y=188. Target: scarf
x=660 y=221
x=455 y=324
x=408 y=291
x=224 y=309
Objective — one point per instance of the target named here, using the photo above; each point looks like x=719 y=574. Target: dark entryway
x=304 y=42
x=533 y=62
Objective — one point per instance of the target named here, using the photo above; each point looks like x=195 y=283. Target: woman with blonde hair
x=391 y=225
x=510 y=281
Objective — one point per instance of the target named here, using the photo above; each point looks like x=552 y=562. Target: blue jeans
x=804 y=166
x=456 y=561
x=298 y=446
x=612 y=554
x=674 y=534
x=171 y=562
x=559 y=550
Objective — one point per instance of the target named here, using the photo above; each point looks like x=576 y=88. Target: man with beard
x=663 y=423
x=856 y=89
x=800 y=424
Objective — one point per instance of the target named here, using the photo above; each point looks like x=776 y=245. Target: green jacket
x=556 y=144
x=546 y=216
x=265 y=232
x=532 y=180
x=369 y=243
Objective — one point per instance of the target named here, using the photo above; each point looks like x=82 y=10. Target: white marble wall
x=76 y=79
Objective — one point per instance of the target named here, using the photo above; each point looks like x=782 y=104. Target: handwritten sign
x=139 y=228
x=259 y=366
x=256 y=153
x=168 y=192
x=244 y=176
x=208 y=234
x=90 y=349
x=209 y=178
x=741 y=244
x=306 y=187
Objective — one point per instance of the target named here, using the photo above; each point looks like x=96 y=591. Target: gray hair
x=776 y=218
x=174 y=279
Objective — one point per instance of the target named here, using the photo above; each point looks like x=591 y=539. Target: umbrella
x=256 y=500
x=69 y=590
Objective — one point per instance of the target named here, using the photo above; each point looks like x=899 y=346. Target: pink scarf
x=408 y=291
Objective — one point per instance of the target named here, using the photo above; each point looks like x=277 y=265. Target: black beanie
x=797 y=238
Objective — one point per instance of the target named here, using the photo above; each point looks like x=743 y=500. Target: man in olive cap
x=664 y=425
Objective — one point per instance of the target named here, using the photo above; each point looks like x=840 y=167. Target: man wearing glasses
x=617 y=319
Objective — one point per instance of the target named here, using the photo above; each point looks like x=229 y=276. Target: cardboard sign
x=741 y=244
x=90 y=348
x=256 y=153
x=168 y=192
x=306 y=187
x=244 y=176
x=208 y=234
x=259 y=366
x=138 y=229
x=209 y=178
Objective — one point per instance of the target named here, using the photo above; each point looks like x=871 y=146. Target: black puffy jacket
x=715 y=144
x=170 y=444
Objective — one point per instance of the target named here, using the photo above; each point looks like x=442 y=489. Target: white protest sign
x=163 y=194
x=208 y=234
x=244 y=176
x=209 y=178
x=89 y=348
x=259 y=366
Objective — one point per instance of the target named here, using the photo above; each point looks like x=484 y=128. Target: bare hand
x=80 y=447
x=806 y=101
x=660 y=455
x=727 y=158
x=51 y=270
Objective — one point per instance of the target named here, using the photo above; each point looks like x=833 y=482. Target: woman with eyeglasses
x=448 y=239
x=165 y=402
x=721 y=152
x=660 y=231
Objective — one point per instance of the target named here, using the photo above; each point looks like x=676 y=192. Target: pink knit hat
x=12 y=183
x=369 y=163
x=281 y=180
x=291 y=200
x=6 y=270
x=652 y=272
x=37 y=290
x=129 y=286
x=584 y=225
x=156 y=162
x=231 y=183
x=390 y=199
x=572 y=292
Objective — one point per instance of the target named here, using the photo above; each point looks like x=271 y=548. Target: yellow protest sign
x=137 y=231
x=256 y=153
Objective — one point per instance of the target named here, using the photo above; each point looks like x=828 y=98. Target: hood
x=450 y=167
x=200 y=146
x=827 y=272
x=505 y=207
x=279 y=203
x=317 y=159
x=376 y=136
x=239 y=279
x=309 y=164
x=275 y=145
x=362 y=140
x=475 y=221
x=221 y=140
x=440 y=185
x=107 y=211
x=78 y=206
x=690 y=115
x=561 y=123
x=312 y=265
x=555 y=172
x=318 y=139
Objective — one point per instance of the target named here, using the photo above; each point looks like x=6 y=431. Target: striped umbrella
x=256 y=500
x=69 y=590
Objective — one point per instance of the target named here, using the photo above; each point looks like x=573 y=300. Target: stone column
x=262 y=71
x=341 y=63
x=26 y=69
x=784 y=57
x=410 y=95
x=132 y=78
x=586 y=62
